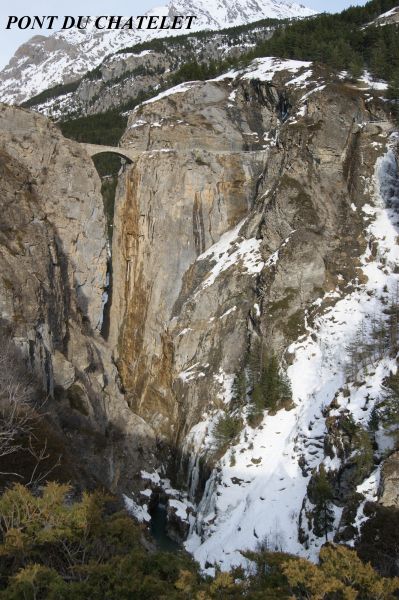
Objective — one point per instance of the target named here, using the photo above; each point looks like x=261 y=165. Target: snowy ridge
x=259 y=495
x=66 y=55
x=388 y=18
x=265 y=69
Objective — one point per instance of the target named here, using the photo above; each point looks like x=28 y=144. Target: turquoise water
x=158 y=530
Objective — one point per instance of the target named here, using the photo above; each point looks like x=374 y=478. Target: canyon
x=257 y=213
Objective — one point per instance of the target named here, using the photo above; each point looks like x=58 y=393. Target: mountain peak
x=64 y=56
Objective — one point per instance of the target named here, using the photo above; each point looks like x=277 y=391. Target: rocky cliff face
x=123 y=78
x=53 y=257
x=252 y=221
x=259 y=220
x=205 y=184
x=217 y=192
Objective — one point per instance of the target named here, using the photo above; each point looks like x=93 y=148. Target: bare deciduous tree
x=16 y=399
x=21 y=410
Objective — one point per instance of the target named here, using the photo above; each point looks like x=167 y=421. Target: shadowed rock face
x=69 y=191
x=53 y=266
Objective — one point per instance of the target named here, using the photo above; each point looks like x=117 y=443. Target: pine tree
x=239 y=390
x=356 y=67
x=323 y=514
x=271 y=389
x=393 y=93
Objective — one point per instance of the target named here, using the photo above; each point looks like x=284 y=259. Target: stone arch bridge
x=94 y=149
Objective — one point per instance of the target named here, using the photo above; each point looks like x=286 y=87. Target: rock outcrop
x=390 y=481
x=53 y=255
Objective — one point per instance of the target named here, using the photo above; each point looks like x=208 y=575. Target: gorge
x=199 y=305
x=245 y=221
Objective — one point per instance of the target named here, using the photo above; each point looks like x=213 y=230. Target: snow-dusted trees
x=374 y=340
x=386 y=411
x=227 y=429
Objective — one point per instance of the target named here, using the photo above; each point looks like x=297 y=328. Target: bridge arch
x=96 y=149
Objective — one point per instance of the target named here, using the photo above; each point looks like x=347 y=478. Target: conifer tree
x=393 y=93
x=272 y=388
x=323 y=515
x=239 y=390
x=356 y=67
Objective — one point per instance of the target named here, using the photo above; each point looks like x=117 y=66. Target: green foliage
x=339 y=40
x=239 y=391
x=393 y=94
x=322 y=495
x=51 y=93
x=356 y=67
x=102 y=128
x=379 y=541
x=164 y=44
x=107 y=164
x=193 y=71
x=95 y=74
x=141 y=70
x=364 y=454
x=366 y=349
x=227 y=429
x=108 y=190
x=268 y=580
x=341 y=575
x=54 y=548
x=386 y=412
x=359 y=448
x=271 y=386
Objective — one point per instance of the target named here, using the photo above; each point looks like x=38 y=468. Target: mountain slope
x=64 y=56
x=280 y=239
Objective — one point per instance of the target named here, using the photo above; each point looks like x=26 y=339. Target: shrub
x=379 y=541
x=54 y=548
x=340 y=572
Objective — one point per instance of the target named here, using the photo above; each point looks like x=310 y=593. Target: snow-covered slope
x=258 y=494
x=64 y=56
x=391 y=17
